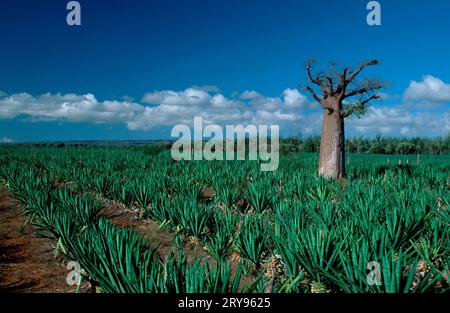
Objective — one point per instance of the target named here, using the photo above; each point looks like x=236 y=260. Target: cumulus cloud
x=294 y=99
x=430 y=88
x=158 y=108
x=179 y=107
x=250 y=94
x=127 y=98
x=6 y=140
x=292 y=111
x=70 y=107
x=188 y=97
x=397 y=120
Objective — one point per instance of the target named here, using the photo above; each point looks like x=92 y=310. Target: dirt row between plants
x=27 y=262
x=159 y=238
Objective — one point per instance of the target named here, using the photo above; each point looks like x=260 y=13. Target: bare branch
x=330 y=83
x=359 y=69
x=372 y=97
x=333 y=70
x=308 y=71
x=365 y=86
x=356 y=92
x=318 y=79
x=336 y=86
x=313 y=94
x=343 y=76
x=342 y=86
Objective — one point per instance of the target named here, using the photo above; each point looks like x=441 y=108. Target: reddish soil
x=159 y=238
x=27 y=262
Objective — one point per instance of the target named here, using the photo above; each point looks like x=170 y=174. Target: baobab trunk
x=336 y=89
x=332 y=158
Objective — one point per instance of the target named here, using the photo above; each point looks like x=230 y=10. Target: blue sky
x=131 y=70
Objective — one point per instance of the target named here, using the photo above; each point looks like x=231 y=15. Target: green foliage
x=221 y=240
x=192 y=216
x=201 y=278
x=252 y=237
x=377 y=145
x=142 y=192
x=316 y=234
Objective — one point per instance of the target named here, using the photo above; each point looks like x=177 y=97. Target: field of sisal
x=383 y=229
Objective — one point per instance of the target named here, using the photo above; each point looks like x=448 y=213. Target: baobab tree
x=341 y=95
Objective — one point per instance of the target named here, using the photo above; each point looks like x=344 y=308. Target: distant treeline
x=377 y=145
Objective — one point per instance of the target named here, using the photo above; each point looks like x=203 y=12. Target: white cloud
x=70 y=107
x=159 y=108
x=266 y=103
x=292 y=111
x=395 y=121
x=127 y=98
x=422 y=114
x=430 y=88
x=174 y=107
x=188 y=97
x=294 y=99
x=250 y=94
x=6 y=140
